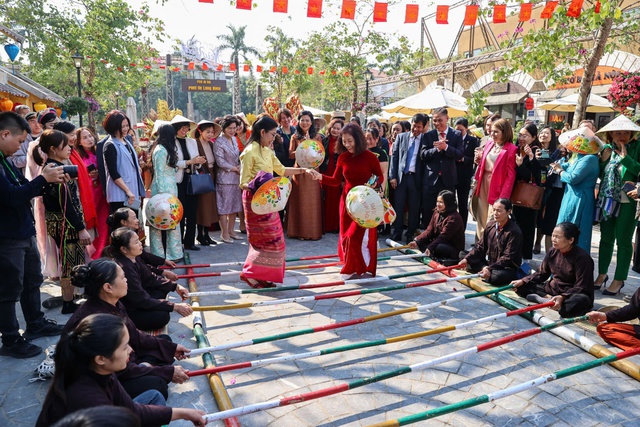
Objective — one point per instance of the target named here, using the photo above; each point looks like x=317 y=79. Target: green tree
x=235 y=42
x=280 y=52
x=114 y=39
x=575 y=42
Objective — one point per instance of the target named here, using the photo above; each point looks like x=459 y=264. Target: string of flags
x=412 y=11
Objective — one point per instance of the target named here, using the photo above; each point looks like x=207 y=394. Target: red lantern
x=528 y=104
x=6 y=104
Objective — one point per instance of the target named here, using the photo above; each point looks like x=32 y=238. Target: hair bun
x=80 y=276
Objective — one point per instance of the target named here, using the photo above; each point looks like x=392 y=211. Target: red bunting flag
x=205 y=67
x=232 y=67
x=499 y=13
x=244 y=4
x=471 y=14
x=272 y=69
x=309 y=70
x=348 y=9
x=296 y=72
x=259 y=68
x=162 y=67
x=575 y=8
x=380 y=12
x=176 y=69
x=547 y=12
x=147 y=67
x=132 y=64
x=411 y=14
x=246 y=67
x=525 y=12
x=597 y=8
x=219 y=68
x=442 y=15
x=347 y=74
x=285 y=70
x=191 y=66
x=314 y=9
x=322 y=73
x=280 y=6
x=120 y=69
x=206 y=1
x=334 y=72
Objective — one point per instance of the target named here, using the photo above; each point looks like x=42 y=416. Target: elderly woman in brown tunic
x=565 y=276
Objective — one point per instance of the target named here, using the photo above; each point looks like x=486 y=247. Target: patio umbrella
x=132 y=112
x=427 y=101
x=316 y=111
x=389 y=117
x=595 y=104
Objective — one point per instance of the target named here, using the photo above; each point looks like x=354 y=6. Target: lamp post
x=117 y=100
x=368 y=76
x=77 y=61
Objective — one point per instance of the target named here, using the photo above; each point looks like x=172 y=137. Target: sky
x=185 y=19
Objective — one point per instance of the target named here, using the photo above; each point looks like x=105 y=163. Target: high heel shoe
x=603 y=284
x=203 y=241
x=606 y=292
x=209 y=240
x=236 y=237
x=229 y=240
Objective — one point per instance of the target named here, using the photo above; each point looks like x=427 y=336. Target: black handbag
x=200 y=183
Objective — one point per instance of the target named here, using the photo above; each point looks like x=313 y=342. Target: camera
x=71 y=170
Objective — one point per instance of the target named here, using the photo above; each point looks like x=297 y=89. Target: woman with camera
x=63 y=212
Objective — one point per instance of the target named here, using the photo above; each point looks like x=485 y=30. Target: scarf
x=609 y=196
x=84 y=188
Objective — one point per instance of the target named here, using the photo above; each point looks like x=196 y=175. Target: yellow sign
x=603 y=76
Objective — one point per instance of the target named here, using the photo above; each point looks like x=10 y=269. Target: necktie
x=442 y=135
x=409 y=156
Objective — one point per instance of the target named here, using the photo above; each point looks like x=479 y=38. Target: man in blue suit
x=440 y=149
x=405 y=176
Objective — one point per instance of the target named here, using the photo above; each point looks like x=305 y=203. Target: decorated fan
x=365 y=207
x=389 y=212
x=272 y=196
x=294 y=105
x=581 y=141
x=271 y=107
x=310 y=154
x=164 y=211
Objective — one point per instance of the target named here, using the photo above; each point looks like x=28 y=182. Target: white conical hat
x=621 y=122
x=182 y=119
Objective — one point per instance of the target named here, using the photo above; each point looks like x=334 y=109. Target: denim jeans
x=21 y=279
x=150 y=397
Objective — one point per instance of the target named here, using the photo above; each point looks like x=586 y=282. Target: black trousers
x=635 y=266
x=150 y=320
x=527 y=221
x=429 y=198
x=406 y=193
x=442 y=251
x=21 y=280
x=190 y=206
x=574 y=305
x=462 y=191
x=498 y=277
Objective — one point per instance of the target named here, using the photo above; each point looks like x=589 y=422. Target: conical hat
x=164 y=211
x=182 y=119
x=217 y=129
x=365 y=207
x=620 y=123
x=272 y=196
x=581 y=141
x=157 y=124
x=310 y=154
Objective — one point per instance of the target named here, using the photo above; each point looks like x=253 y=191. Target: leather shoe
x=202 y=240
x=191 y=247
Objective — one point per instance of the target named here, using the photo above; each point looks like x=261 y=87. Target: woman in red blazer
x=496 y=173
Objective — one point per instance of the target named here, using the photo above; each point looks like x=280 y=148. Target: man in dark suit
x=439 y=151
x=465 y=167
x=405 y=176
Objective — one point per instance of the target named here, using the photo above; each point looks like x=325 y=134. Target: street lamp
x=368 y=76
x=77 y=62
x=117 y=100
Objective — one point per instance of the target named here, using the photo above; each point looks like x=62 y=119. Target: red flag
x=347 y=74
x=280 y=6
x=206 y=1
x=296 y=72
x=191 y=66
x=219 y=68
x=597 y=9
x=246 y=67
x=442 y=15
x=499 y=13
x=471 y=15
x=547 y=12
x=285 y=70
x=525 y=11
x=162 y=67
x=205 y=67
x=232 y=66
x=380 y=12
x=259 y=68
x=348 y=9
x=120 y=69
x=575 y=8
x=333 y=72
x=272 y=69
x=309 y=70
x=314 y=9
x=244 y=4
x=411 y=14
x=147 y=67
x=176 y=69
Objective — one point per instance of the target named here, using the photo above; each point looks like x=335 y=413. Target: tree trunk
x=590 y=70
x=237 y=106
x=91 y=115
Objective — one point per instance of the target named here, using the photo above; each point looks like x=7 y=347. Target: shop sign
x=603 y=76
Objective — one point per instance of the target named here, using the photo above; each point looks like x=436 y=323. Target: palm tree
x=235 y=42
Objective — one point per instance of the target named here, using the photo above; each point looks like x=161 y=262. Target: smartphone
x=628 y=186
x=91 y=168
x=544 y=154
x=135 y=205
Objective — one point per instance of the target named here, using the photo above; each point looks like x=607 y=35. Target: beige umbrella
x=316 y=111
x=389 y=117
x=427 y=101
x=595 y=104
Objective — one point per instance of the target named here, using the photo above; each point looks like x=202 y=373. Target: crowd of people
x=76 y=218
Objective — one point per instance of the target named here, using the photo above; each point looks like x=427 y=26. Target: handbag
x=200 y=183
x=527 y=195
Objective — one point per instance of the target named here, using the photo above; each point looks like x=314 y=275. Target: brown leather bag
x=527 y=195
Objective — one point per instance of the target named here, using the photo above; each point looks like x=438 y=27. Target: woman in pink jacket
x=496 y=173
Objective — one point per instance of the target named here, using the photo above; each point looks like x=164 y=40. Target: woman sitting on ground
x=150 y=366
x=622 y=335
x=501 y=243
x=444 y=237
x=145 y=300
x=86 y=363
x=565 y=276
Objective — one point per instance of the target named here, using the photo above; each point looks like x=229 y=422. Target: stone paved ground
x=602 y=396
